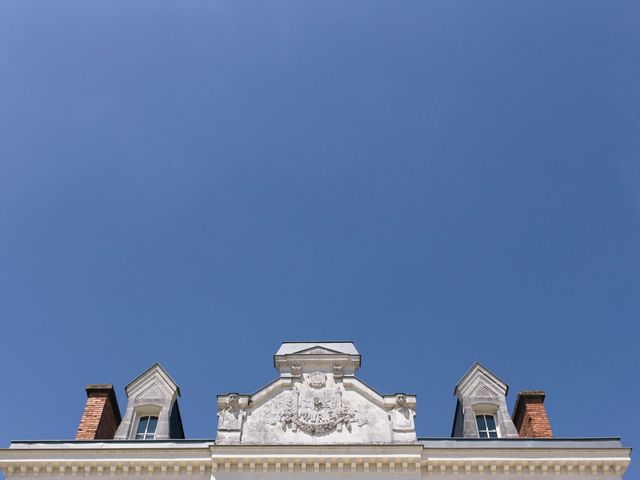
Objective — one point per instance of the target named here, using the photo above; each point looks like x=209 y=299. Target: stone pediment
x=318 y=351
x=480 y=381
x=293 y=348
x=316 y=404
x=152 y=392
x=482 y=390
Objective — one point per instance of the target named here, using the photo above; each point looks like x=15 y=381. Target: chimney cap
x=523 y=396
x=531 y=393
x=99 y=386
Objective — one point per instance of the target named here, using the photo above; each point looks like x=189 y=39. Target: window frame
x=486 y=430
x=146 y=435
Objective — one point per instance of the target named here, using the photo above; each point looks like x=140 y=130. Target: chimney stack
x=530 y=416
x=101 y=415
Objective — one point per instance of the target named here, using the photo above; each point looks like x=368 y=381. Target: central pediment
x=316 y=400
x=293 y=357
x=292 y=348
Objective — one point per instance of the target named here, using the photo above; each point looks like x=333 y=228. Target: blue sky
x=440 y=181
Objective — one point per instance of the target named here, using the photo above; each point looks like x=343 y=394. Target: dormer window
x=487 y=426
x=152 y=408
x=147 y=428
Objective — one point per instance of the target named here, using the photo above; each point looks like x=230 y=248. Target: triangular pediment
x=151 y=392
x=154 y=376
x=319 y=351
x=480 y=381
x=482 y=390
x=295 y=348
x=294 y=357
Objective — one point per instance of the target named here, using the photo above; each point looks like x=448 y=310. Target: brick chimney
x=530 y=416
x=101 y=415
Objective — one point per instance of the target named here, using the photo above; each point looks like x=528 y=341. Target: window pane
x=491 y=422
x=153 y=421
x=493 y=434
x=139 y=436
x=483 y=434
x=480 y=422
x=142 y=425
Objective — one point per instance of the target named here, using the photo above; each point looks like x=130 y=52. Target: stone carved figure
x=317 y=380
x=231 y=417
x=402 y=417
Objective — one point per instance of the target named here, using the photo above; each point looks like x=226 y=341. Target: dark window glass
x=142 y=425
x=491 y=422
x=153 y=421
x=486 y=426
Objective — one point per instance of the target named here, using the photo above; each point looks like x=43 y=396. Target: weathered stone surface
x=316 y=400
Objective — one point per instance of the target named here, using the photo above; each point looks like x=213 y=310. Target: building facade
x=316 y=420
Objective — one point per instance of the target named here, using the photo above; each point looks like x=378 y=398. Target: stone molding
x=160 y=458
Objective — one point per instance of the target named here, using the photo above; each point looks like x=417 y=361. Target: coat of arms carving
x=316 y=408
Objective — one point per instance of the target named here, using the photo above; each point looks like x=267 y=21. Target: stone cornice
x=205 y=458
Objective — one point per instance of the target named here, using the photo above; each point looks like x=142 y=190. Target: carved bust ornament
x=402 y=417
x=317 y=380
x=231 y=417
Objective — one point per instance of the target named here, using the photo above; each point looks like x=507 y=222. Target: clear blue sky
x=440 y=181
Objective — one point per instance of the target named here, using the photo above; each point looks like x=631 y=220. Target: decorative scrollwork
x=318 y=418
x=316 y=408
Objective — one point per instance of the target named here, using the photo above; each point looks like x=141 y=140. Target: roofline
x=168 y=440
x=420 y=442
x=523 y=439
x=319 y=341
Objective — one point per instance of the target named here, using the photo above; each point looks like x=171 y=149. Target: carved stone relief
x=315 y=408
